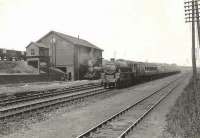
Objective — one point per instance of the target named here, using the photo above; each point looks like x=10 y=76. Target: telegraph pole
x=198 y=25
x=193 y=48
x=192 y=15
x=198 y=30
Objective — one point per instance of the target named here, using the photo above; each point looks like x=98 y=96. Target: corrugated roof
x=77 y=41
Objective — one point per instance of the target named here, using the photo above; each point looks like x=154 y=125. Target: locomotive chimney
x=112 y=59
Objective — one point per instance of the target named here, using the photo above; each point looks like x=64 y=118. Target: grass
x=183 y=120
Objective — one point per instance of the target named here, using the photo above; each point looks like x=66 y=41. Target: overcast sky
x=141 y=30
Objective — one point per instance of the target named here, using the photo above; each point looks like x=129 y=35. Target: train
x=12 y=55
x=122 y=73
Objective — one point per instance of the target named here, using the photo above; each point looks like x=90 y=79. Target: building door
x=70 y=70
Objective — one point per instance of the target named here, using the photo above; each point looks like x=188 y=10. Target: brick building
x=70 y=54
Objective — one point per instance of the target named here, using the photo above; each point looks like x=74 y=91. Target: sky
x=139 y=30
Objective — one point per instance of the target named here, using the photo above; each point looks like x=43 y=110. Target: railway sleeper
x=39 y=106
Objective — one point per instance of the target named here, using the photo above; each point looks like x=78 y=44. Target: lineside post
x=192 y=15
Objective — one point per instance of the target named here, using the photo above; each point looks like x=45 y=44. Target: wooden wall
x=28 y=50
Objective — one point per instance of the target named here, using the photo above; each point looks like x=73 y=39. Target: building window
x=32 y=52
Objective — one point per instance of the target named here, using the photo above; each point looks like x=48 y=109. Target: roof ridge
x=71 y=39
x=60 y=35
x=37 y=44
x=67 y=37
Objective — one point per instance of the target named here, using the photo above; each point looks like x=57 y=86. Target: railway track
x=38 y=100
x=35 y=95
x=121 y=124
x=30 y=106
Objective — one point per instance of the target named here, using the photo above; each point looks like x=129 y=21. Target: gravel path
x=78 y=120
x=154 y=124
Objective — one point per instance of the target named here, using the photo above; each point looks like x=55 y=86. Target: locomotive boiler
x=117 y=74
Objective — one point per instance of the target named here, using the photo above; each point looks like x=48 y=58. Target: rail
x=101 y=124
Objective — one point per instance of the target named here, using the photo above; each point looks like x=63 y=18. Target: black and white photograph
x=99 y=69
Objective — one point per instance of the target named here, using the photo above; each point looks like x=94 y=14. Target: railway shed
x=72 y=55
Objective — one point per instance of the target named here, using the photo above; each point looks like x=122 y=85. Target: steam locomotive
x=123 y=73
